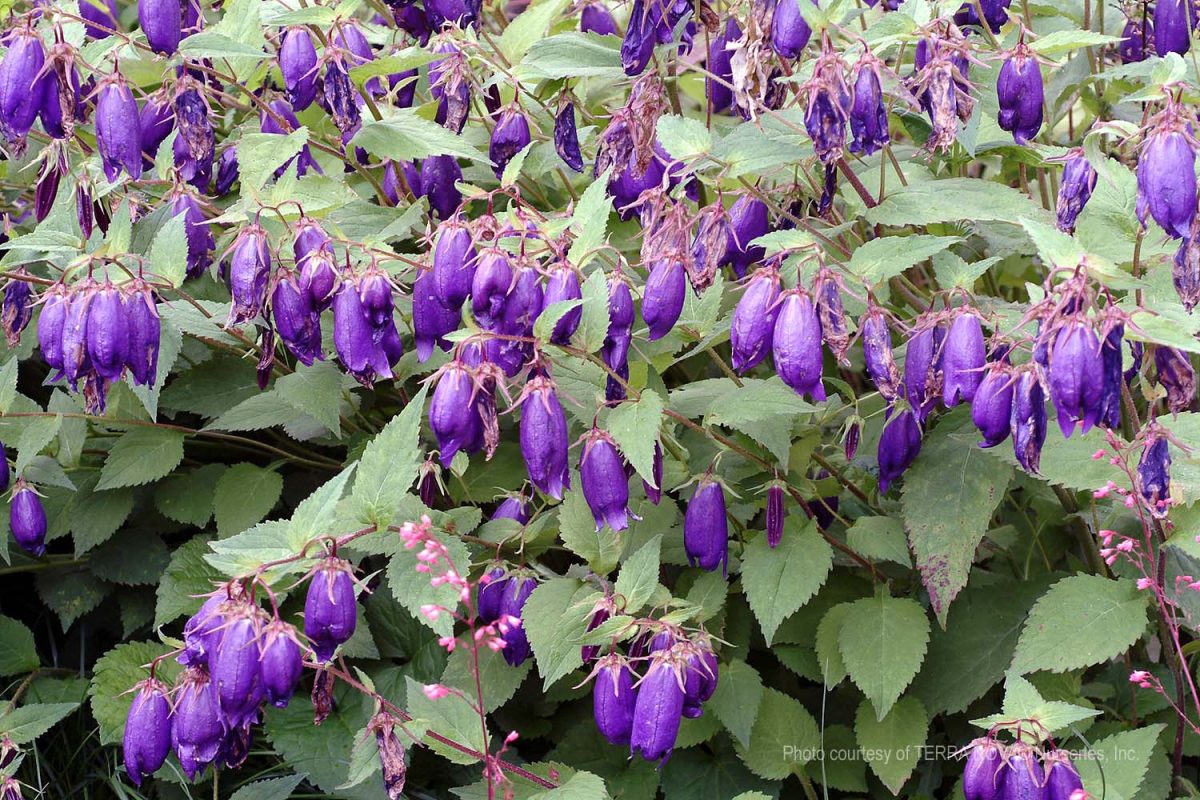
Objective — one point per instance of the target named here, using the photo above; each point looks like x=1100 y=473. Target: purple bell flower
x=513 y=507
x=827 y=297
x=658 y=709
x=439 y=178
x=868 y=114
x=563 y=285
x=796 y=344
x=753 y=326
x=706 y=528
x=663 y=296
x=156 y=120
x=991 y=408
x=249 y=271
x=200 y=241
x=922 y=370
x=827 y=109
x=1028 y=419
x=720 y=65
x=449 y=411
x=1110 y=396
x=431 y=319
x=981 y=780
x=877 y=353
x=339 y=97
x=963 y=359
x=235 y=667
x=638 y=46
x=789 y=32
x=16 y=311
x=899 y=445
x=450 y=85
x=145 y=333
x=27 y=519
x=297 y=322
x=1078 y=181
x=196 y=725
x=375 y=292
x=1166 y=180
x=147 y=741
x=776 y=514
x=50 y=326
x=118 y=135
x=1137 y=40
x=318 y=277
x=298 y=63
x=162 y=22
x=202 y=631
x=100 y=16
x=1019 y=91
x=349 y=37
x=615 y=350
x=490 y=594
x=700 y=678
x=605 y=487
x=196 y=138
x=544 y=438
x=566 y=138
x=1176 y=375
x=509 y=137
x=1076 y=376
x=282 y=663
x=1172 y=27
x=453 y=263
x=1062 y=780
x=596 y=18
x=516 y=644
x=748 y=220
x=489 y=287
x=602 y=612
x=1021 y=775
x=361 y=354
x=107 y=332
x=613 y=699
x=19 y=69
x=452 y=13
x=330 y=607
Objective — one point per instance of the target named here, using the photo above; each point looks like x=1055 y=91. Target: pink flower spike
x=1139 y=676
x=1100 y=493
x=1129 y=502
x=512 y=737
x=431 y=612
x=1099 y=454
x=1125 y=546
x=1079 y=794
x=448 y=642
x=435 y=691
x=1144 y=583
x=1107 y=535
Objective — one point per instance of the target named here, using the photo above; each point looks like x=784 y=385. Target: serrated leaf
x=1064 y=41
x=639 y=574
x=1124 y=758
x=270 y=789
x=779 y=581
x=589 y=222
x=35 y=435
x=413 y=590
x=260 y=154
x=315 y=515
x=553 y=616
x=634 y=426
x=500 y=681
x=882 y=642
x=829 y=657
x=96 y=515
x=577 y=528
x=764 y=410
x=1022 y=701
x=529 y=26
x=880 y=538
x=683 y=137
x=187 y=575
x=594 y=320
x=187 y=497
x=243 y=497
x=880 y=259
x=114 y=673
x=452 y=716
x=402 y=135
x=953 y=199
x=737 y=700
x=543 y=328
x=892 y=745
x=168 y=252
x=255 y=413
x=784 y=734
x=28 y=722
x=1082 y=620
x=70 y=594
x=389 y=464
x=573 y=55
x=135 y=558
x=17 y=650
x=8 y=384
x=140 y=456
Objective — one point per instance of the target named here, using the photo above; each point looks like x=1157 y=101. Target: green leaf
x=260 y=154
x=951 y=200
x=452 y=716
x=952 y=272
x=763 y=410
x=882 y=642
x=553 y=616
x=779 y=581
x=880 y=259
x=35 y=435
x=187 y=497
x=601 y=549
x=389 y=464
x=17 y=651
x=111 y=561
x=589 y=223
x=1082 y=620
x=26 y=723
x=323 y=753
x=783 y=736
x=594 y=321
x=187 y=575
x=500 y=681
x=255 y=413
x=529 y=27
x=880 y=539
x=402 y=135
x=95 y=515
x=115 y=673
x=168 y=253
x=573 y=55
x=1058 y=42
x=271 y=789
x=140 y=456
x=315 y=516
x=708 y=595
x=70 y=594
x=243 y=497
x=1022 y=701
x=892 y=745
x=413 y=590
x=634 y=426
x=737 y=700
x=829 y=657
x=683 y=137
x=543 y=328
x=8 y=384
x=580 y=786
x=639 y=575
x=1124 y=757
x=949 y=496
x=401 y=61
x=208 y=44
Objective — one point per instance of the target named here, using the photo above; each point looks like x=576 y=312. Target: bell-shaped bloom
x=544 y=438
x=663 y=296
x=431 y=319
x=1019 y=92
x=249 y=271
x=877 y=353
x=981 y=779
x=512 y=603
x=198 y=233
x=566 y=137
x=330 y=608
x=509 y=137
x=1172 y=27
x=1175 y=374
x=1076 y=376
x=789 y=32
x=706 y=528
x=1062 y=780
x=605 y=486
x=513 y=507
x=196 y=725
x=455 y=13
x=202 y=631
x=963 y=359
x=868 y=114
x=1078 y=181
x=107 y=332
x=796 y=344
x=282 y=663
x=753 y=326
x=16 y=310
x=349 y=37
x=827 y=109
x=596 y=18
x=563 y=286
x=827 y=297
x=699 y=678
x=1166 y=180
x=719 y=82
x=1137 y=40
x=235 y=667
x=1022 y=775
x=490 y=595
x=100 y=17
x=489 y=287
x=145 y=334
x=922 y=370
x=658 y=709
x=748 y=220
x=615 y=350
x=613 y=699
x=118 y=135
x=50 y=326
x=27 y=519
x=1110 y=396
x=19 y=69
x=298 y=63
x=450 y=416
x=156 y=120
x=1028 y=419
x=375 y=292
x=196 y=135
x=899 y=445
x=162 y=22
x=147 y=739
x=439 y=179
x=361 y=354
x=638 y=46
x=297 y=322
x=776 y=514
x=991 y=408
x=339 y=97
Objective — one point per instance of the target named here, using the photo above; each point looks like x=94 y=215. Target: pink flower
x=1144 y=583
x=435 y=691
x=1099 y=454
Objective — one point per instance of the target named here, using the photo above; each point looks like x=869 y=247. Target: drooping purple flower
x=877 y=353
x=827 y=298
x=1028 y=419
x=615 y=350
x=898 y=445
x=147 y=740
x=1021 y=775
x=107 y=332
x=200 y=241
x=922 y=370
x=613 y=699
x=509 y=137
x=796 y=344
x=439 y=178
x=195 y=128
x=450 y=416
x=349 y=37
x=74 y=332
x=753 y=327
x=776 y=514
x=375 y=292
x=719 y=82
x=868 y=114
x=1019 y=91
x=60 y=97
x=249 y=271
x=297 y=322
x=706 y=528
x=1062 y=780
x=235 y=667
x=330 y=608
x=453 y=263
x=1176 y=375
x=512 y=602
x=544 y=437
x=1172 y=28
x=202 y=631
x=566 y=138
x=1112 y=381
x=361 y=354
x=431 y=319
x=489 y=287
x=118 y=135
x=658 y=709
x=162 y=22
x=45 y=192
x=601 y=613
x=596 y=18
x=1166 y=180
x=605 y=486
x=991 y=408
x=563 y=286
x=700 y=678
x=654 y=490
x=491 y=594
x=338 y=95
x=27 y=519
x=196 y=726
x=50 y=325
x=638 y=46
x=156 y=120
x=1078 y=181
x=981 y=780
x=145 y=333
x=18 y=77
x=663 y=296
x=1076 y=376
x=789 y=32
x=17 y=308
x=1137 y=40
x=963 y=359
x=748 y=220
x=100 y=16
x=282 y=663
x=450 y=85
x=827 y=105
x=453 y=13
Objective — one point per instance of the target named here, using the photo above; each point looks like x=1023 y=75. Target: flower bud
x=747 y=221
x=249 y=271
x=596 y=18
x=877 y=353
x=663 y=296
x=512 y=602
x=1021 y=775
x=1019 y=92
x=776 y=514
x=235 y=667
x=700 y=678
x=922 y=370
x=991 y=408
x=282 y=663
x=1166 y=180
x=868 y=114
x=145 y=333
x=17 y=308
x=453 y=263
x=605 y=487
x=376 y=295
x=963 y=359
x=27 y=519
x=200 y=242
x=509 y=137
x=980 y=778
x=349 y=37
x=18 y=77
x=796 y=344
x=1172 y=27
x=753 y=325
x=196 y=727
x=718 y=84
x=329 y=607
x=613 y=699
x=544 y=438
x=439 y=179
x=638 y=46
x=566 y=138
x=162 y=22
x=562 y=286
x=615 y=350
x=513 y=507
x=1176 y=376
x=899 y=445
x=1076 y=376
x=706 y=528
x=296 y=321
x=339 y=97
x=1062 y=781
x=431 y=319
x=1137 y=40
x=107 y=332
x=1110 y=395
x=118 y=135
x=1028 y=419
x=147 y=739
x=789 y=32
x=1078 y=181
x=490 y=594
x=658 y=709
x=100 y=17
x=450 y=417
